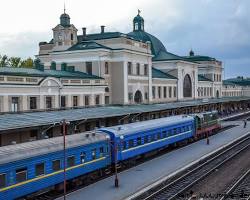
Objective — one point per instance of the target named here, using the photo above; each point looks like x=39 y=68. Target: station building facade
x=76 y=70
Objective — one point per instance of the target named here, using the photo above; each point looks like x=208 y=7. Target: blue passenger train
x=35 y=166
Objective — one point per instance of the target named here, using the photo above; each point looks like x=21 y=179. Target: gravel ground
x=218 y=181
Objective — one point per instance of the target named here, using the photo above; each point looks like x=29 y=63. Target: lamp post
x=115 y=147
x=64 y=124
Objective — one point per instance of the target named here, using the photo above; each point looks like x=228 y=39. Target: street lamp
x=115 y=147
x=64 y=123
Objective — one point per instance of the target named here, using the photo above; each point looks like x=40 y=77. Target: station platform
x=136 y=179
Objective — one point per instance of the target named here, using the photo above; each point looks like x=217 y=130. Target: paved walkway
x=136 y=178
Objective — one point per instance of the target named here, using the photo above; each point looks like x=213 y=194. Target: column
x=24 y=102
x=42 y=102
x=6 y=107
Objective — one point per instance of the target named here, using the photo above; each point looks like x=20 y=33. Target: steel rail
x=185 y=181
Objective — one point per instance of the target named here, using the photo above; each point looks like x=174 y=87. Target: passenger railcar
x=29 y=167
x=138 y=138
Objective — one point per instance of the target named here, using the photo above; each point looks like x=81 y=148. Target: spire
x=64 y=9
x=191 y=53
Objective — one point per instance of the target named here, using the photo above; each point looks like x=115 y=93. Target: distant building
x=75 y=70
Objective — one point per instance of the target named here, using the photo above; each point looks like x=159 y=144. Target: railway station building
x=132 y=74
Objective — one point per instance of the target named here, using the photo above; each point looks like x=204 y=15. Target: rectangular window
x=158 y=136
x=75 y=101
x=131 y=143
x=138 y=69
x=165 y=92
x=129 y=68
x=106 y=99
x=48 y=101
x=56 y=165
x=2 y=180
x=97 y=99
x=83 y=157
x=145 y=69
x=71 y=161
x=159 y=92
x=145 y=139
x=93 y=154
x=14 y=104
x=106 y=68
x=101 y=151
x=40 y=169
x=170 y=92
x=71 y=36
x=86 y=98
x=139 y=141
x=174 y=91
x=89 y=67
x=21 y=175
x=33 y=103
x=153 y=92
x=164 y=134
x=124 y=145
x=146 y=95
x=63 y=101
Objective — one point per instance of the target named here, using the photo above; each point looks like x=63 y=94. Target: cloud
x=215 y=28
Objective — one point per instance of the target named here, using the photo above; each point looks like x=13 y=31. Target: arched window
x=106 y=89
x=138 y=97
x=187 y=86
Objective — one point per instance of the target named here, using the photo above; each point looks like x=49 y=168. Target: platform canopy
x=35 y=119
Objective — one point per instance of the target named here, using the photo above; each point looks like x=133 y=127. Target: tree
x=15 y=62
x=4 y=62
x=28 y=63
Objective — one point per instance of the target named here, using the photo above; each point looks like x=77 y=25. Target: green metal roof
x=238 y=81
x=199 y=58
x=86 y=45
x=100 y=36
x=12 y=71
x=156 y=73
x=203 y=78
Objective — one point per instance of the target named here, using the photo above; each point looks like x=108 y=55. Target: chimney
x=102 y=29
x=84 y=32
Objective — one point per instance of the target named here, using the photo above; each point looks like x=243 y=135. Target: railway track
x=175 y=187
x=240 y=189
x=52 y=195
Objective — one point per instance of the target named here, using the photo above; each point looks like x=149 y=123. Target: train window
x=101 y=151
x=124 y=145
x=82 y=157
x=71 y=161
x=93 y=154
x=175 y=131
x=130 y=143
x=169 y=133
x=56 y=165
x=164 y=134
x=2 y=180
x=153 y=138
x=21 y=175
x=139 y=141
x=158 y=136
x=145 y=139
x=40 y=169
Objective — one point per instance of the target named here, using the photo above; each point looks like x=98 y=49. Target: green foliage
x=15 y=62
x=4 y=61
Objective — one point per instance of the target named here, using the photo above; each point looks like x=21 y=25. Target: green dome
x=156 y=45
x=65 y=19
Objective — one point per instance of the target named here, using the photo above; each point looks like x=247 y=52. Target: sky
x=217 y=28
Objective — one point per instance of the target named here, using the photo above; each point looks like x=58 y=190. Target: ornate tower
x=138 y=22
x=64 y=34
